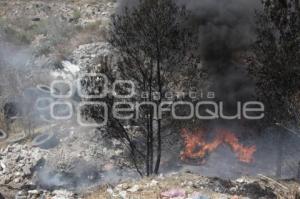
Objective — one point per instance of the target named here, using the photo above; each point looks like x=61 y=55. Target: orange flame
x=196 y=146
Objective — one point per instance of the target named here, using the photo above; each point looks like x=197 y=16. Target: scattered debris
x=192 y=186
x=173 y=193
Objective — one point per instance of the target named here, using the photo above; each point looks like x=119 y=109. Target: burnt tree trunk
x=298 y=173
x=280 y=158
x=150 y=145
x=158 y=119
x=148 y=139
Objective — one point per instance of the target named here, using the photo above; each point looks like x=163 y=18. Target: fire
x=197 y=147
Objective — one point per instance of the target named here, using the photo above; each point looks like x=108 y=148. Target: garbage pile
x=82 y=159
x=56 y=194
x=17 y=163
x=17 y=168
x=192 y=186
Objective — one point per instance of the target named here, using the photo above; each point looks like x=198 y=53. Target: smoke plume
x=225 y=30
x=224 y=26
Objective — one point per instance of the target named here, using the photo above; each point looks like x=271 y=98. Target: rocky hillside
x=54 y=27
x=48 y=39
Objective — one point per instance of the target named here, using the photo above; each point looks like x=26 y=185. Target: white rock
x=72 y=68
x=34 y=192
x=153 y=183
x=123 y=194
x=110 y=191
x=133 y=189
x=17 y=180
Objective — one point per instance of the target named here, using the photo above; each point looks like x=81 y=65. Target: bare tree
x=154 y=42
x=277 y=63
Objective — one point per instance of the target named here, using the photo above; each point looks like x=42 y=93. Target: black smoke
x=225 y=31
x=223 y=26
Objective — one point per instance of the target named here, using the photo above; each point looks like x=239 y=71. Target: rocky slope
x=192 y=186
